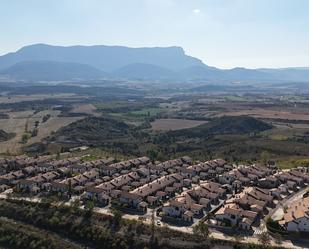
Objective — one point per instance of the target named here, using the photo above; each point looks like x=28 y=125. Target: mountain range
x=41 y=62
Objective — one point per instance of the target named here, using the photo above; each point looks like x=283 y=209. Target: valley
x=130 y=122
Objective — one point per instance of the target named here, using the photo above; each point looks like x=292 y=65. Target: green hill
x=223 y=125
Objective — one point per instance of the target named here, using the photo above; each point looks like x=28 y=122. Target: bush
x=274 y=227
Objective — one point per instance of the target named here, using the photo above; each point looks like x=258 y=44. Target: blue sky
x=223 y=33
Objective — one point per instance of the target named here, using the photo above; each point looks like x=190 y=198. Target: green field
x=293 y=163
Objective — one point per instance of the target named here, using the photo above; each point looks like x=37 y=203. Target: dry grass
x=175 y=124
x=52 y=125
x=18 y=122
x=85 y=108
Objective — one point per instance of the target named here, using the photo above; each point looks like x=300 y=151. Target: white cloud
x=196 y=11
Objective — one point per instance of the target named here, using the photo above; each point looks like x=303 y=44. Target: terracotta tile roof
x=297 y=210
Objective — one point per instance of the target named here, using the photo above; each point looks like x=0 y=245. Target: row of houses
x=31 y=166
x=49 y=163
x=293 y=178
x=243 y=210
x=194 y=202
x=12 y=177
x=37 y=183
x=137 y=182
x=244 y=175
x=136 y=187
x=92 y=180
x=283 y=183
x=206 y=170
x=22 y=161
x=124 y=166
x=174 y=176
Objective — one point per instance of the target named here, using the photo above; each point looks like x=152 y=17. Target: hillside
x=108 y=133
x=144 y=71
x=223 y=125
x=103 y=132
x=51 y=71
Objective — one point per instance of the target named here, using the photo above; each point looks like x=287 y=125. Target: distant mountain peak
x=89 y=62
x=106 y=58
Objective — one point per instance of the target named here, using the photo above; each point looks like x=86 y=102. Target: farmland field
x=84 y=108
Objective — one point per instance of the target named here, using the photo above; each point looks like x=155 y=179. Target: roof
x=229 y=209
x=95 y=190
x=128 y=195
x=106 y=186
x=154 y=186
x=247 y=221
x=26 y=181
x=297 y=210
x=152 y=198
x=59 y=185
x=196 y=207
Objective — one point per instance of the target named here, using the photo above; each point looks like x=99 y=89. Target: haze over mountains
x=43 y=62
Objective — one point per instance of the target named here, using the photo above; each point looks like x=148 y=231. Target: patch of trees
x=19 y=236
x=83 y=226
x=103 y=132
x=25 y=137
x=5 y=136
x=46 y=117
x=274 y=227
x=96 y=230
x=36 y=105
x=223 y=125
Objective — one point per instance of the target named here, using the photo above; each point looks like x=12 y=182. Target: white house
x=296 y=218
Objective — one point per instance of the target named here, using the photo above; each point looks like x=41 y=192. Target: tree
x=34 y=132
x=26 y=126
x=25 y=137
x=152 y=225
x=117 y=217
x=46 y=117
x=89 y=207
x=153 y=155
x=264 y=157
x=278 y=238
x=74 y=205
x=264 y=239
x=70 y=188
x=201 y=229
